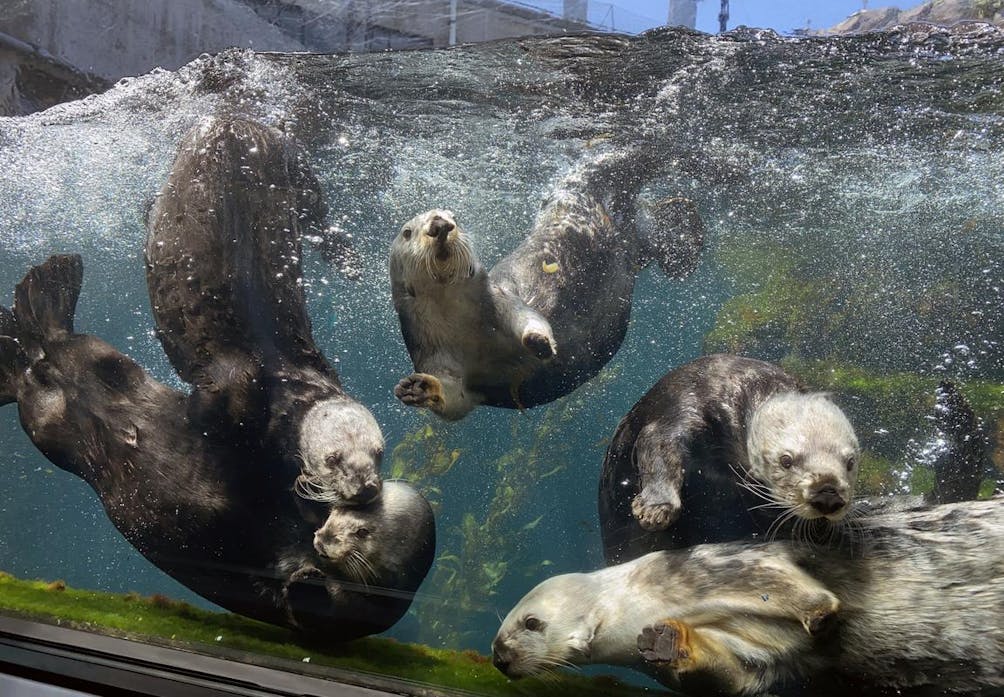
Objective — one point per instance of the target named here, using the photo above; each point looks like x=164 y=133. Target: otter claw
x=420 y=390
x=540 y=345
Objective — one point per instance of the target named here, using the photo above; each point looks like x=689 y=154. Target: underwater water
x=852 y=191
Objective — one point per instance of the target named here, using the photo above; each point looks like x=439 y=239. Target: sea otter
x=724 y=448
x=215 y=517
x=547 y=317
x=917 y=613
x=223 y=265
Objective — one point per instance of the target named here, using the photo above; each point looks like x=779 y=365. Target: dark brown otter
x=223 y=255
x=216 y=518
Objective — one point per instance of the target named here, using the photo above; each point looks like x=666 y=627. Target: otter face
x=346 y=543
x=431 y=247
x=549 y=628
x=340 y=448
x=804 y=449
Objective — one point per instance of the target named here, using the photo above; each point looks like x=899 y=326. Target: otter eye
x=533 y=624
x=407 y=233
x=851 y=461
x=786 y=461
x=333 y=461
x=363 y=532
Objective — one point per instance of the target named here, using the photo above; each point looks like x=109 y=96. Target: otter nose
x=827 y=500
x=501 y=659
x=321 y=540
x=439 y=227
x=366 y=493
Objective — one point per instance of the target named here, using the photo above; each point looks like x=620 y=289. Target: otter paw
x=654 y=516
x=820 y=619
x=540 y=344
x=420 y=390
x=666 y=642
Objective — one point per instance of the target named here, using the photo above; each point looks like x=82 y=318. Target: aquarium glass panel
x=324 y=348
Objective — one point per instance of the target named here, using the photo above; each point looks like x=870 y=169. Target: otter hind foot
x=666 y=642
x=420 y=390
x=539 y=343
x=654 y=516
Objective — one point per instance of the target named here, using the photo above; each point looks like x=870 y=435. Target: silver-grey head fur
x=804 y=449
x=341 y=447
x=431 y=248
x=369 y=544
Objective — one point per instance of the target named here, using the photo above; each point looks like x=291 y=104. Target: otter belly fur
x=915 y=610
x=547 y=317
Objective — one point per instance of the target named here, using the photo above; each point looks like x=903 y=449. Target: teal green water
x=852 y=188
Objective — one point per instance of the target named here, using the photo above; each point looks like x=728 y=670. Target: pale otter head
x=346 y=543
x=551 y=627
x=804 y=449
x=430 y=247
x=340 y=451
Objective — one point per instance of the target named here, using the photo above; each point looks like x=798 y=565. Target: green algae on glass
x=370 y=661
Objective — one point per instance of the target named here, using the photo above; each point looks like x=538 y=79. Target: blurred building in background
x=52 y=50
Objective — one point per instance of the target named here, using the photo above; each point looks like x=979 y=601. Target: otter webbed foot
x=421 y=390
x=655 y=513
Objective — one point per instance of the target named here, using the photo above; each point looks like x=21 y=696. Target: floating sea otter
x=223 y=269
x=711 y=439
x=218 y=520
x=918 y=613
x=550 y=315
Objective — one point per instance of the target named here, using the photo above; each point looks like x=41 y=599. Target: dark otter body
x=213 y=517
x=224 y=273
x=682 y=451
x=546 y=318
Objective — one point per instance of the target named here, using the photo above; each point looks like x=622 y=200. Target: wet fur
x=917 y=611
x=685 y=441
x=213 y=516
x=547 y=317
x=223 y=255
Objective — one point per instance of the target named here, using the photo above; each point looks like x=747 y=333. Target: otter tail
x=44 y=304
x=962 y=459
x=670 y=231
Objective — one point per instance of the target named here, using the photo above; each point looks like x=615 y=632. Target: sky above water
x=783 y=16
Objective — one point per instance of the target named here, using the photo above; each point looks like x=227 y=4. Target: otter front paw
x=420 y=390
x=821 y=618
x=540 y=345
x=666 y=643
x=654 y=516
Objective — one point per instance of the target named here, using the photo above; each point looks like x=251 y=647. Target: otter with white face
x=223 y=254
x=739 y=441
x=582 y=618
x=340 y=448
x=547 y=317
x=916 y=613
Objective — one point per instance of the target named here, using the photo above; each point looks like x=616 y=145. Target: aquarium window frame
x=96 y=664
